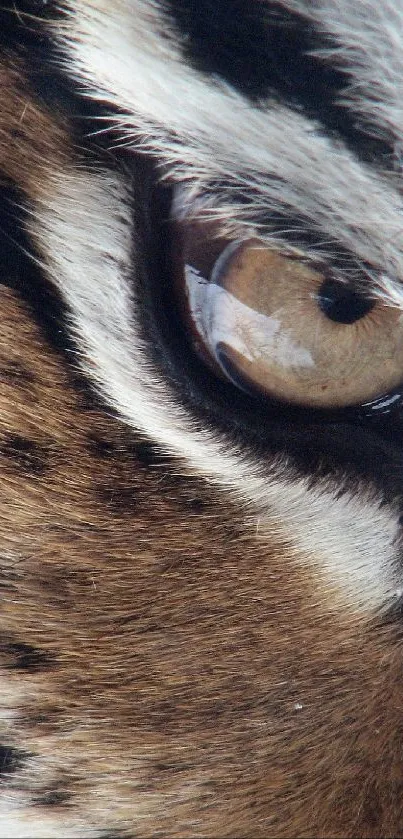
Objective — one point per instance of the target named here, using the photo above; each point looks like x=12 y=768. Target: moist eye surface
x=277 y=326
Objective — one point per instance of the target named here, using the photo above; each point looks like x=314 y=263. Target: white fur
x=202 y=131
x=20 y=821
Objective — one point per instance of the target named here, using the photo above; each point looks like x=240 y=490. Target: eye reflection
x=276 y=326
x=225 y=323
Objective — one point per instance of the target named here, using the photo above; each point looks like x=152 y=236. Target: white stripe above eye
x=208 y=137
x=348 y=541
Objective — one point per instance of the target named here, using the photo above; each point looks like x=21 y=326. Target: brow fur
x=221 y=146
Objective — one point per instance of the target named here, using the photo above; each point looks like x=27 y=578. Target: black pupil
x=341 y=303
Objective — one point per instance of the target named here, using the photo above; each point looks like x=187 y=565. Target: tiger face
x=201 y=362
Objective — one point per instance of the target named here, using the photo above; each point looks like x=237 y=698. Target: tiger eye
x=280 y=327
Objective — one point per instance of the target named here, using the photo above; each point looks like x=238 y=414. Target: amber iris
x=278 y=326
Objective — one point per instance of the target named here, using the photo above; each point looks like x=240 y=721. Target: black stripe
x=265 y=51
x=21 y=20
x=21 y=23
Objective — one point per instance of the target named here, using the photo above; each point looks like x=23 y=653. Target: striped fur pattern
x=200 y=596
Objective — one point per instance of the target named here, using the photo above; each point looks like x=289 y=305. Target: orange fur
x=194 y=686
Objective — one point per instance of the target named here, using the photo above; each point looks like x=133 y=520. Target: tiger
x=201 y=366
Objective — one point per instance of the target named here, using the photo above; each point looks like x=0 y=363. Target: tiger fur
x=200 y=598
